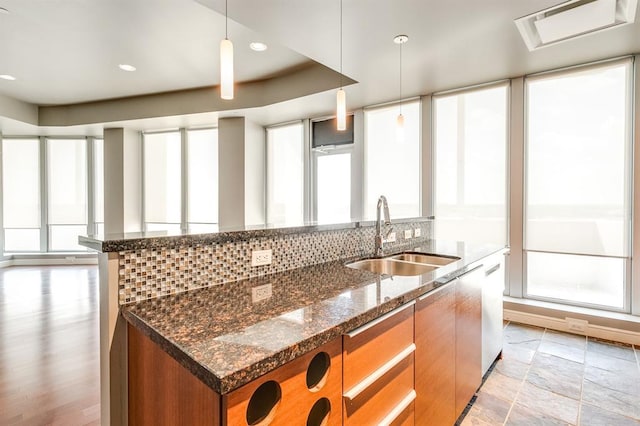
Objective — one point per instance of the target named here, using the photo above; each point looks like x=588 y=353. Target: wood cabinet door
x=435 y=357
x=468 y=336
x=163 y=392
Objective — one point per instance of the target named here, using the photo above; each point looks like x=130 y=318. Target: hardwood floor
x=49 y=346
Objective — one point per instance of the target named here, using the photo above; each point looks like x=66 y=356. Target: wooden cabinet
x=449 y=345
x=419 y=364
x=378 y=364
x=162 y=392
x=468 y=336
x=435 y=324
x=305 y=391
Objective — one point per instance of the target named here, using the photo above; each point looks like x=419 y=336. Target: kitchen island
x=226 y=337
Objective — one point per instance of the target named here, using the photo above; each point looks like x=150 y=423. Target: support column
x=122 y=213
x=516 y=189
x=123 y=181
x=426 y=154
x=241 y=171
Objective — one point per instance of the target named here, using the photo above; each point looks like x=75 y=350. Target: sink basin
x=428 y=259
x=392 y=267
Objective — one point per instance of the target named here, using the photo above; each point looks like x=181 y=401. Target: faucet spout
x=382 y=208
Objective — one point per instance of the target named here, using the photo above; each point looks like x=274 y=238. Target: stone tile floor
x=547 y=377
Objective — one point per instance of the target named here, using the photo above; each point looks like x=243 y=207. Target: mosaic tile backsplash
x=149 y=273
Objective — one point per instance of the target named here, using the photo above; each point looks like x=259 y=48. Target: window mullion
x=44 y=189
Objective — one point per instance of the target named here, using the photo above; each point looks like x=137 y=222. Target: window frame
x=88 y=192
x=628 y=306
x=507 y=84
x=365 y=148
x=184 y=224
x=44 y=228
x=356 y=164
x=305 y=144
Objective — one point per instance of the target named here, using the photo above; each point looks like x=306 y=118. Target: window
x=470 y=142
x=202 y=169
x=333 y=187
x=167 y=173
x=577 y=195
x=331 y=171
x=21 y=194
x=67 y=193
x=392 y=160
x=162 y=181
x=285 y=175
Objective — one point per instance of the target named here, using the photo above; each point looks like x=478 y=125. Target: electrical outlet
x=577 y=325
x=260 y=293
x=417 y=232
x=261 y=257
x=391 y=238
x=407 y=234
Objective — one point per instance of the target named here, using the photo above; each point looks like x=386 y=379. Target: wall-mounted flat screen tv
x=325 y=133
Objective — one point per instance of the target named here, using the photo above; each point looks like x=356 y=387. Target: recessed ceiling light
x=258 y=46
x=4 y=11
x=127 y=67
x=7 y=77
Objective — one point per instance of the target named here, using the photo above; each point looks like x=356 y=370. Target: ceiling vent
x=575 y=18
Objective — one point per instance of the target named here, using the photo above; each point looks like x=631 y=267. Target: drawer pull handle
x=492 y=270
x=352 y=393
x=398 y=409
x=377 y=321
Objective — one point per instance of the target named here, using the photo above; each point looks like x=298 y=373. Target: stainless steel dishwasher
x=492 y=310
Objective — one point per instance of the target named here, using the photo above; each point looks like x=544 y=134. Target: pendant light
x=400 y=40
x=226 y=61
x=341 y=97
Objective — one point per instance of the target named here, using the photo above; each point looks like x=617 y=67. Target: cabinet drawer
x=388 y=400
x=406 y=415
x=371 y=346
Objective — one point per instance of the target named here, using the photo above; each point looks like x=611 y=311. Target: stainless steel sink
x=407 y=264
x=428 y=259
x=392 y=267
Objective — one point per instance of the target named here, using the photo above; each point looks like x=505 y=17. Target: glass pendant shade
x=226 y=69
x=341 y=108
x=400 y=128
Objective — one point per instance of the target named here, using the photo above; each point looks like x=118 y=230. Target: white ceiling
x=68 y=51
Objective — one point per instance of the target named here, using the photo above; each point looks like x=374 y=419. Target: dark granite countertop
x=155 y=239
x=226 y=340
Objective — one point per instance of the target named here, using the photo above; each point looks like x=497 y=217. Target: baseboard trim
x=49 y=262
x=591 y=330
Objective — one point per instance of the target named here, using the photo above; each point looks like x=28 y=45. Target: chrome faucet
x=379 y=244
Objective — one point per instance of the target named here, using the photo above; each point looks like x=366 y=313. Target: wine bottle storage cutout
x=263 y=404
x=319 y=414
x=318 y=371
x=305 y=391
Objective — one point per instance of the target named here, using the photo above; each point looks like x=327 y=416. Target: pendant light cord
x=226 y=19
x=340 y=44
x=401 y=78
